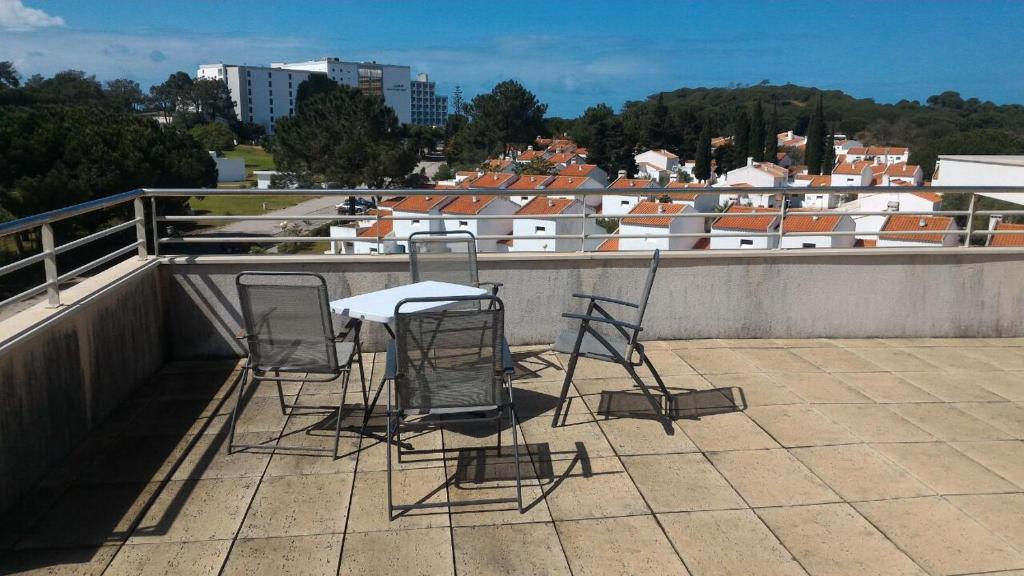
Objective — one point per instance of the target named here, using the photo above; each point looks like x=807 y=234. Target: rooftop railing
x=151 y=228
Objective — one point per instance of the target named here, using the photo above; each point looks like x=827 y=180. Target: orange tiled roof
x=902 y=170
x=530 y=155
x=391 y=201
x=497 y=165
x=929 y=196
x=419 y=203
x=566 y=182
x=630 y=183
x=646 y=207
x=796 y=222
x=746 y=223
x=851 y=168
x=492 y=180
x=773 y=169
x=379 y=229
x=609 y=245
x=561 y=158
x=821 y=181
x=577 y=170
x=468 y=204
x=901 y=223
x=530 y=182
x=541 y=206
x=1007 y=240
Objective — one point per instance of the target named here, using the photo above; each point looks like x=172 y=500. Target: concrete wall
x=64 y=370
x=822 y=293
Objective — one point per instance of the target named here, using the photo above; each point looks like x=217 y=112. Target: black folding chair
x=446 y=256
x=449 y=366
x=288 y=329
x=619 y=345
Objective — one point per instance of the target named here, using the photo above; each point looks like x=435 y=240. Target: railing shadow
x=688 y=405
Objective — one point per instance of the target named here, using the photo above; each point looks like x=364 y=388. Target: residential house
x=617 y=204
x=577 y=183
x=591 y=171
x=698 y=196
x=481 y=205
x=526 y=183
x=414 y=208
x=377 y=236
x=856 y=173
x=758 y=175
x=656 y=164
x=652 y=218
x=901 y=230
x=789 y=140
x=816 y=199
x=493 y=181
x=538 y=221
x=910 y=174
x=562 y=159
x=1006 y=240
x=869 y=226
x=735 y=225
x=812 y=225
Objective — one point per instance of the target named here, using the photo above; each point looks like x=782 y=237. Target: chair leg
x=515 y=452
x=372 y=404
x=238 y=408
x=568 y=374
x=658 y=408
x=362 y=375
x=341 y=408
x=387 y=440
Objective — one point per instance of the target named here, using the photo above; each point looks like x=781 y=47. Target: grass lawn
x=256 y=158
x=243 y=205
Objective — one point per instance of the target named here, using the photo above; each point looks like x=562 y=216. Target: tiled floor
x=783 y=457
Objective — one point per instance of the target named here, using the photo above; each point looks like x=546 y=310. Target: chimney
x=622 y=173
x=570 y=179
x=551 y=203
x=661 y=208
x=476 y=199
x=922 y=223
x=632 y=183
x=673 y=177
x=750 y=160
x=789 y=135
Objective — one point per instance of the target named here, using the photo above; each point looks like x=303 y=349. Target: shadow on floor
x=689 y=405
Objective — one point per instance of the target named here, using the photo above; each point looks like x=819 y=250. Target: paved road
x=317 y=206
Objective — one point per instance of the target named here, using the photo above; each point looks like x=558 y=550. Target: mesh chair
x=620 y=344
x=288 y=329
x=449 y=366
x=446 y=256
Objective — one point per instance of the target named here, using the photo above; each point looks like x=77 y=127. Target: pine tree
x=458 y=103
x=756 y=142
x=830 y=154
x=702 y=163
x=741 y=138
x=771 y=142
x=815 y=151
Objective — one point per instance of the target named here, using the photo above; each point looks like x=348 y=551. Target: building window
x=271 y=110
x=271 y=93
x=808 y=245
x=415 y=222
x=463 y=224
x=248 y=73
x=268 y=74
x=289 y=77
x=746 y=242
x=248 y=82
x=539 y=229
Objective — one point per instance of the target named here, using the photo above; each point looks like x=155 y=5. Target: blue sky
x=571 y=54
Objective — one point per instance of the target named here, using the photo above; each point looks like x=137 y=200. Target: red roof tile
x=468 y=204
x=541 y=206
x=902 y=170
x=577 y=170
x=796 y=222
x=609 y=245
x=379 y=229
x=630 y=183
x=566 y=182
x=647 y=207
x=901 y=223
x=492 y=180
x=419 y=203
x=1007 y=240
x=530 y=182
x=851 y=168
x=747 y=223
x=929 y=196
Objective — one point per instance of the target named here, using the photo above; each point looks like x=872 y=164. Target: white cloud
x=16 y=17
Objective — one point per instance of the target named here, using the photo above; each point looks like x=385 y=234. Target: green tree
x=601 y=132
x=771 y=141
x=343 y=139
x=506 y=117
x=215 y=136
x=444 y=172
x=814 y=153
x=536 y=166
x=125 y=94
x=211 y=99
x=755 y=144
x=9 y=77
x=702 y=164
x=315 y=84
x=829 y=161
x=741 y=138
x=458 y=102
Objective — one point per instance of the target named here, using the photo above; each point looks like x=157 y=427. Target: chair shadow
x=530 y=364
x=686 y=405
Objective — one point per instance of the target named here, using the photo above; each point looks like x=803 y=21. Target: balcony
x=835 y=411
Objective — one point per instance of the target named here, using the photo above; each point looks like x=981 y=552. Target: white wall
x=692 y=225
x=614 y=205
x=845 y=224
x=486 y=227
x=982 y=171
x=403 y=228
x=739 y=243
x=529 y=227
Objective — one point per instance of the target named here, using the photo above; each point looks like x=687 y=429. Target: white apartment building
x=736 y=226
x=526 y=187
x=261 y=94
x=647 y=218
x=482 y=205
x=808 y=224
x=428 y=109
x=540 y=223
x=817 y=199
x=894 y=232
x=902 y=173
x=387 y=80
x=591 y=171
x=981 y=170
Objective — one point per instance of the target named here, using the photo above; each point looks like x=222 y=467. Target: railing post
x=50 y=265
x=376 y=214
x=782 y=220
x=970 y=222
x=583 y=227
x=156 y=229
x=140 y=227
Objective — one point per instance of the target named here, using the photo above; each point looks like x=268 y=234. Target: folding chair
x=620 y=346
x=288 y=330
x=446 y=256
x=449 y=366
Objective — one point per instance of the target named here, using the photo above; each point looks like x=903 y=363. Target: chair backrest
x=287 y=321
x=444 y=256
x=652 y=271
x=451 y=357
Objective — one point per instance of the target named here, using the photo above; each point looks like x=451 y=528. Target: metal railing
x=149 y=232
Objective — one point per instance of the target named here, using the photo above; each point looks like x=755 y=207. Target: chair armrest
x=507 y=365
x=391 y=364
x=606 y=299
x=602 y=319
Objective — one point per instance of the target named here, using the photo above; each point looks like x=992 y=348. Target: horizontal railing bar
x=96 y=236
x=26 y=294
x=999 y=212
x=26 y=261
x=30 y=222
x=997 y=232
x=99 y=261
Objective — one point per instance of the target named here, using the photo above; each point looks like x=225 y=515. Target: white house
x=869 y=226
x=647 y=218
x=656 y=164
x=817 y=199
x=229 y=169
x=591 y=171
x=901 y=172
x=902 y=230
x=493 y=181
x=698 y=196
x=538 y=222
x=981 y=170
x=758 y=175
x=810 y=224
x=617 y=204
x=789 y=140
x=481 y=205
x=264 y=178
x=731 y=223
x=526 y=187
x=381 y=231
x=562 y=159
x=580 y=184
x=856 y=173
x=414 y=208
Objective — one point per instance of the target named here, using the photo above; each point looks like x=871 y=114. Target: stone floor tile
x=732 y=431
x=698 y=343
x=802 y=343
x=939 y=537
x=644 y=436
x=1009 y=385
x=771 y=478
x=608 y=546
x=369 y=509
x=834 y=540
x=90 y=515
x=886 y=388
x=1001 y=358
x=757 y=389
x=1000 y=513
x=717 y=361
x=948 y=387
x=837 y=360
x=578 y=434
x=592 y=488
x=298 y=506
x=515 y=550
x=776 y=360
x=131 y=458
x=425 y=552
x=1007 y=416
x=207 y=457
x=426 y=446
x=185 y=558
x=311 y=452
x=665 y=362
x=536 y=366
x=58 y=562
x=944 y=469
x=1005 y=458
x=896 y=360
x=858 y=472
x=315 y=555
x=194 y=510
x=728 y=542
x=947 y=423
x=490 y=474
x=821 y=388
x=858 y=343
x=874 y=423
x=800 y=425
x=952 y=359
x=681 y=483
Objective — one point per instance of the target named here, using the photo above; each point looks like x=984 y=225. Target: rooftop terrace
x=867 y=456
